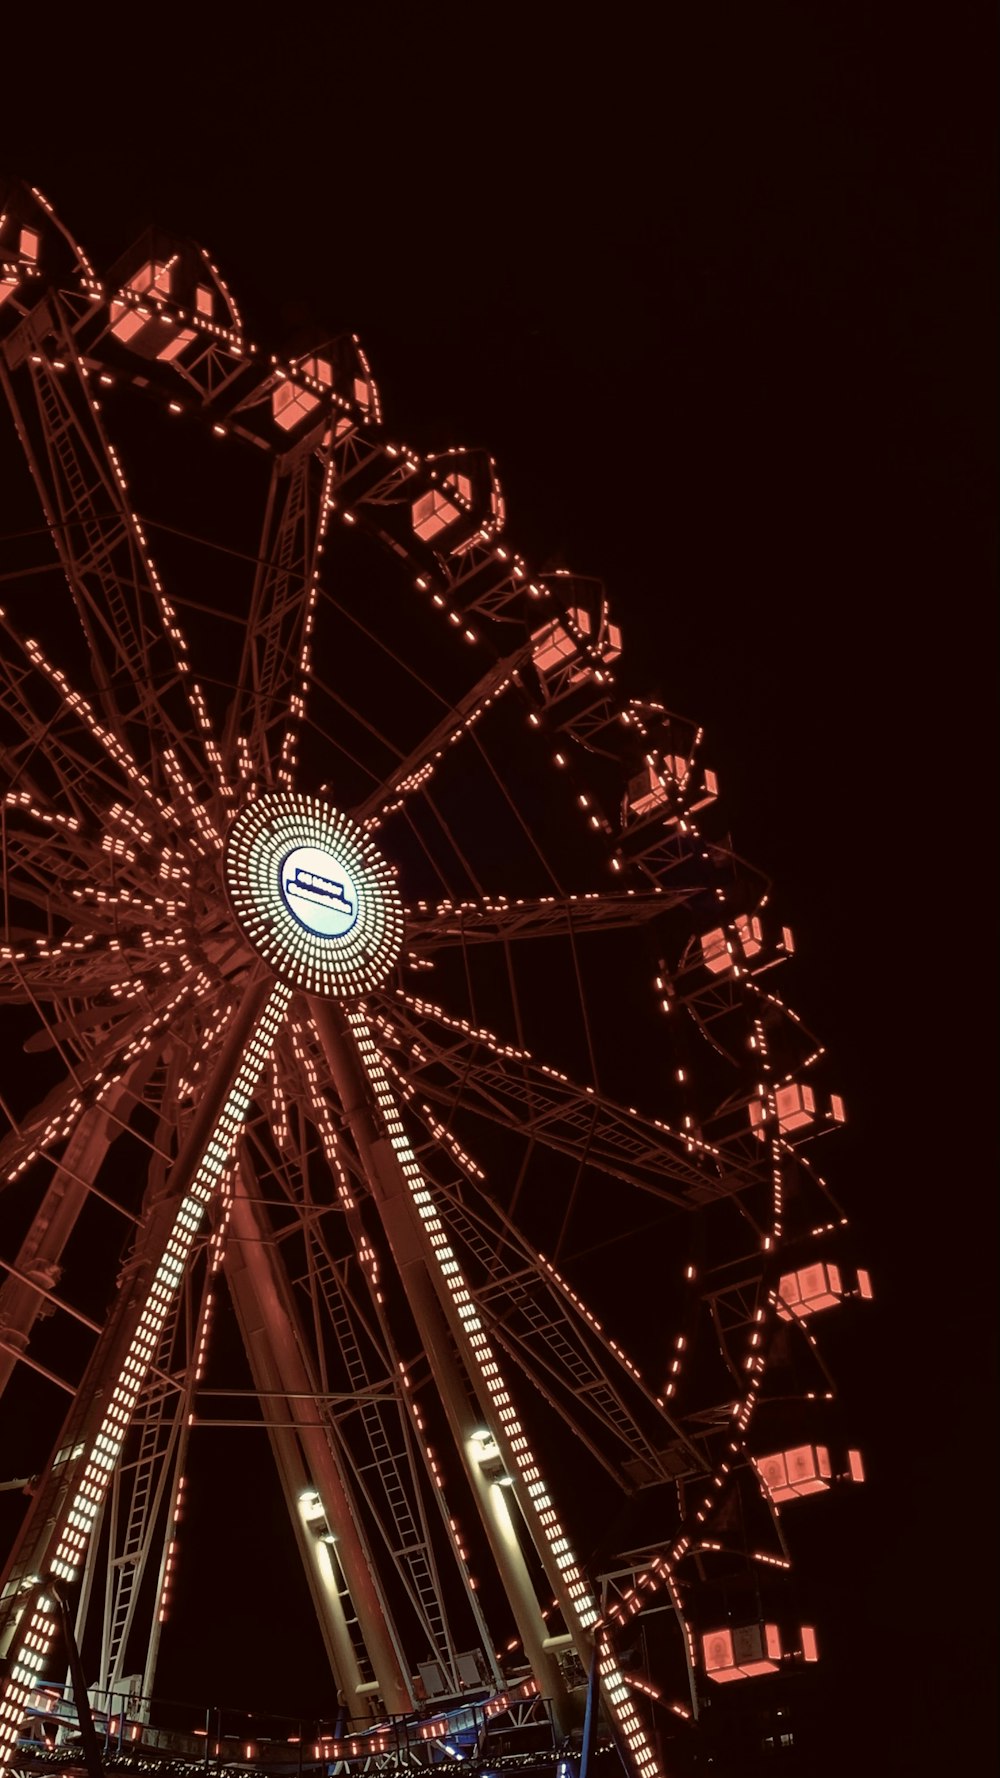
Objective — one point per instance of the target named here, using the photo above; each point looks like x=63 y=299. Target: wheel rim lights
x=313 y=894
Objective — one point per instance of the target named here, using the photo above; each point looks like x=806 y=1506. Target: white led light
x=313 y=894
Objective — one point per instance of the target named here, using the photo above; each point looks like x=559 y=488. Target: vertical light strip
x=104 y=1453
x=576 y=1586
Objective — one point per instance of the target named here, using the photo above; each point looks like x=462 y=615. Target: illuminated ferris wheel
x=385 y=980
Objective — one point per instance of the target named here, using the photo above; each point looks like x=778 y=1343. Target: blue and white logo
x=313 y=894
x=317 y=890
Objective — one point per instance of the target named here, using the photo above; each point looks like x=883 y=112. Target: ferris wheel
x=385 y=979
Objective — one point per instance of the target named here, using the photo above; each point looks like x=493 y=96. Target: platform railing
x=147 y=1733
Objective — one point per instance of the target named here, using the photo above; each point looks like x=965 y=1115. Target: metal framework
x=521 y=1238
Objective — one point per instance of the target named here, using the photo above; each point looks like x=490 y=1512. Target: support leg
x=275 y=1347
x=61 y=1519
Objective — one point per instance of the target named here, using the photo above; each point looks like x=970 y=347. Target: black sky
x=718 y=298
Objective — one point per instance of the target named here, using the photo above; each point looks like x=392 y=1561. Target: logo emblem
x=313 y=894
x=318 y=891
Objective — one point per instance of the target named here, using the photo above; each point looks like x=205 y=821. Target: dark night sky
x=718 y=301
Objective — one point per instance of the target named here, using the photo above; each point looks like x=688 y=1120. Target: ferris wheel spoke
x=53 y=740
x=45 y=1122
x=89 y=1080
x=486 y=922
x=114 y=751
x=40 y=1255
x=273 y=681
x=43 y=861
x=138 y=651
x=450 y=1060
x=86 y=964
x=413 y=772
x=557 y=1340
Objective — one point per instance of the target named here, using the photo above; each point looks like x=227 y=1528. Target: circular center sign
x=319 y=891
x=313 y=894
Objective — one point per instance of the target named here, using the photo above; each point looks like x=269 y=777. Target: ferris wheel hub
x=313 y=894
